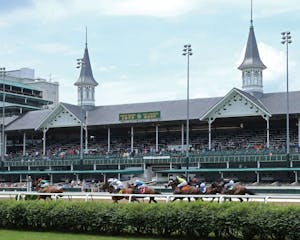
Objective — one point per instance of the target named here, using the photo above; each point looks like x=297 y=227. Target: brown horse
x=193 y=190
x=211 y=190
x=48 y=189
x=115 y=199
x=236 y=190
x=145 y=190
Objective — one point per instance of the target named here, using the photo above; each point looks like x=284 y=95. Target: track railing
x=90 y=196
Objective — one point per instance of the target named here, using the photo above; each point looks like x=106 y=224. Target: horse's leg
x=152 y=199
x=174 y=199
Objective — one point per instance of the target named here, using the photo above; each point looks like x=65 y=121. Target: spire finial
x=251 y=21
x=85 y=36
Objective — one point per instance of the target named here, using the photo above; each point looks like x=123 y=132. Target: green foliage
x=196 y=220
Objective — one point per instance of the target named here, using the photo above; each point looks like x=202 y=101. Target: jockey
x=181 y=182
x=202 y=188
x=140 y=185
x=195 y=182
x=43 y=184
x=229 y=185
x=116 y=183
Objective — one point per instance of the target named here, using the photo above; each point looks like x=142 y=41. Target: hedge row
x=174 y=220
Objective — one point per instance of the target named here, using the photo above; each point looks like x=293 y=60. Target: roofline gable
x=52 y=113
x=225 y=98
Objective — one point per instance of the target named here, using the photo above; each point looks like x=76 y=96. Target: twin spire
x=86 y=83
x=252 y=66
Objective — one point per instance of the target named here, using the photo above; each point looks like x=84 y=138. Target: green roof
x=196 y=170
x=129 y=171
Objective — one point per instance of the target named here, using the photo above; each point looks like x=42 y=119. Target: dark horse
x=184 y=190
x=195 y=190
x=48 y=189
x=129 y=190
x=236 y=190
x=145 y=190
x=115 y=199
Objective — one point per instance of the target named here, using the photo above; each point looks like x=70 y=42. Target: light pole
x=3 y=73
x=187 y=51
x=286 y=39
x=80 y=64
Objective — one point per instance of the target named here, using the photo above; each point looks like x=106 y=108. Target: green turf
x=26 y=235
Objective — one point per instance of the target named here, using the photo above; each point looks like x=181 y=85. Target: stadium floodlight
x=286 y=39
x=187 y=51
x=80 y=64
x=2 y=74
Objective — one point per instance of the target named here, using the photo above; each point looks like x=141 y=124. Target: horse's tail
x=248 y=191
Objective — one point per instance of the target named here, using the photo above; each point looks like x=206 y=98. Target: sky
x=135 y=46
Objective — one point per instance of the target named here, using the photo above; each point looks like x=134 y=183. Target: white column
x=209 y=135
x=182 y=138
x=5 y=143
x=24 y=143
x=156 y=137
x=108 y=140
x=268 y=133
x=86 y=140
x=298 y=132
x=28 y=183
x=44 y=140
x=131 y=139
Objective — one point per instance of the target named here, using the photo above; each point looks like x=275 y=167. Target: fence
x=295 y=198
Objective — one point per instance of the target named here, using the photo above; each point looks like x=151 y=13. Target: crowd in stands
x=169 y=143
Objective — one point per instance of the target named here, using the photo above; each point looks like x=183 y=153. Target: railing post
x=266 y=199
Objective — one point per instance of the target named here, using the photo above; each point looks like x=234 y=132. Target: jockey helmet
x=202 y=185
x=231 y=182
x=172 y=178
x=110 y=180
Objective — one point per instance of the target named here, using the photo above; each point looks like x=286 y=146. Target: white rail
x=19 y=195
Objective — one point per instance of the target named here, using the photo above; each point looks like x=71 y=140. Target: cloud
x=275 y=62
x=109 y=68
x=55 y=48
x=154 y=8
x=56 y=10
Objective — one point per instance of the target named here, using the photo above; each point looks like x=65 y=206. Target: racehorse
x=236 y=190
x=145 y=190
x=115 y=199
x=47 y=189
x=184 y=190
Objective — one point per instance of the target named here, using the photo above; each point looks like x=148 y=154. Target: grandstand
x=241 y=135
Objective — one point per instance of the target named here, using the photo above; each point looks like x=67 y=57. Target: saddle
x=143 y=190
x=185 y=188
x=120 y=192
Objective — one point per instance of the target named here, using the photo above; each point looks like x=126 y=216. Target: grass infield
x=27 y=235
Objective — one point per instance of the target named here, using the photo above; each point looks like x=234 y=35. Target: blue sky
x=135 y=46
